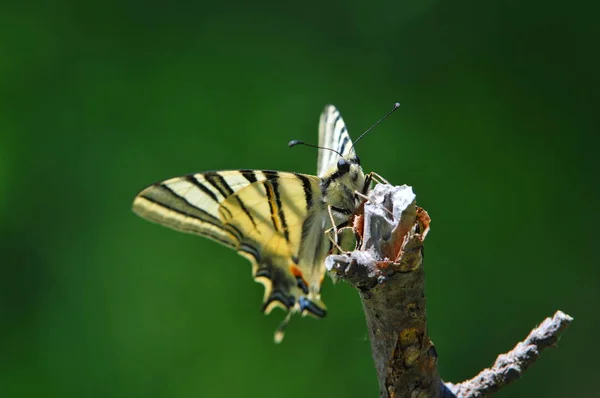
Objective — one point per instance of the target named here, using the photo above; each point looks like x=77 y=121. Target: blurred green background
x=498 y=135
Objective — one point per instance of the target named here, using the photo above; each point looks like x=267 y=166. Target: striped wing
x=271 y=218
x=333 y=135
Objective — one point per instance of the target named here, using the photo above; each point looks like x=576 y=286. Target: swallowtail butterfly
x=277 y=220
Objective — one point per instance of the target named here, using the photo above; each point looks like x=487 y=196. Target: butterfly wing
x=272 y=218
x=333 y=135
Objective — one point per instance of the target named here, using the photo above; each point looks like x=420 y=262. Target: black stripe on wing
x=308 y=196
x=270 y=190
x=284 y=226
x=221 y=185
x=345 y=142
x=251 y=250
x=203 y=219
x=276 y=295
x=249 y=175
x=206 y=217
x=218 y=183
x=281 y=285
x=194 y=181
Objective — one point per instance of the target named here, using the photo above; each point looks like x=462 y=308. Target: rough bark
x=387 y=270
x=510 y=366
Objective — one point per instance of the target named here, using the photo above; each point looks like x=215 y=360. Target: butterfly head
x=339 y=184
x=349 y=170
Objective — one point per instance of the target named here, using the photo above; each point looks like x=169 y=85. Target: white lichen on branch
x=387 y=270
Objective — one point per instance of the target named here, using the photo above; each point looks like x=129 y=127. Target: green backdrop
x=498 y=135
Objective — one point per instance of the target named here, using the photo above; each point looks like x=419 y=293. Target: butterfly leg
x=361 y=195
x=379 y=179
x=369 y=178
x=333 y=228
x=365 y=197
x=339 y=227
x=367 y=186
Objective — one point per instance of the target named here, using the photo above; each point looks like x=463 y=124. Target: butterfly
x=277 y=220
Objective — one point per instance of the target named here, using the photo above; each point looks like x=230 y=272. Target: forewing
x=192 y=204
x=261 y=214
x=333 y=135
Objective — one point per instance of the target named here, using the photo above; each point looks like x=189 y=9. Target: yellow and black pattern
x=333 y=134
x=275 y=219
x=260 y=213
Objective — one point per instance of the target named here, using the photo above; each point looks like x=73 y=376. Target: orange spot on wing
x=298 y=273
x=295 y=270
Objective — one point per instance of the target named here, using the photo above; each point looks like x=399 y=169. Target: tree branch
x=387 y=270
x=510 y=366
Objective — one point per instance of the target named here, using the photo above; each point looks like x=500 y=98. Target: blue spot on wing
x=306 y=304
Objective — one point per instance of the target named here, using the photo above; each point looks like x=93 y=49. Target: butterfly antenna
x=298 y=142
x=396 y=106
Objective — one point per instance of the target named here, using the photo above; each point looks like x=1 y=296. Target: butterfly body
x=339 y=187
x=275 y=219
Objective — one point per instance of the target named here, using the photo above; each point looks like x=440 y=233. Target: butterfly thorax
x=340 y=185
